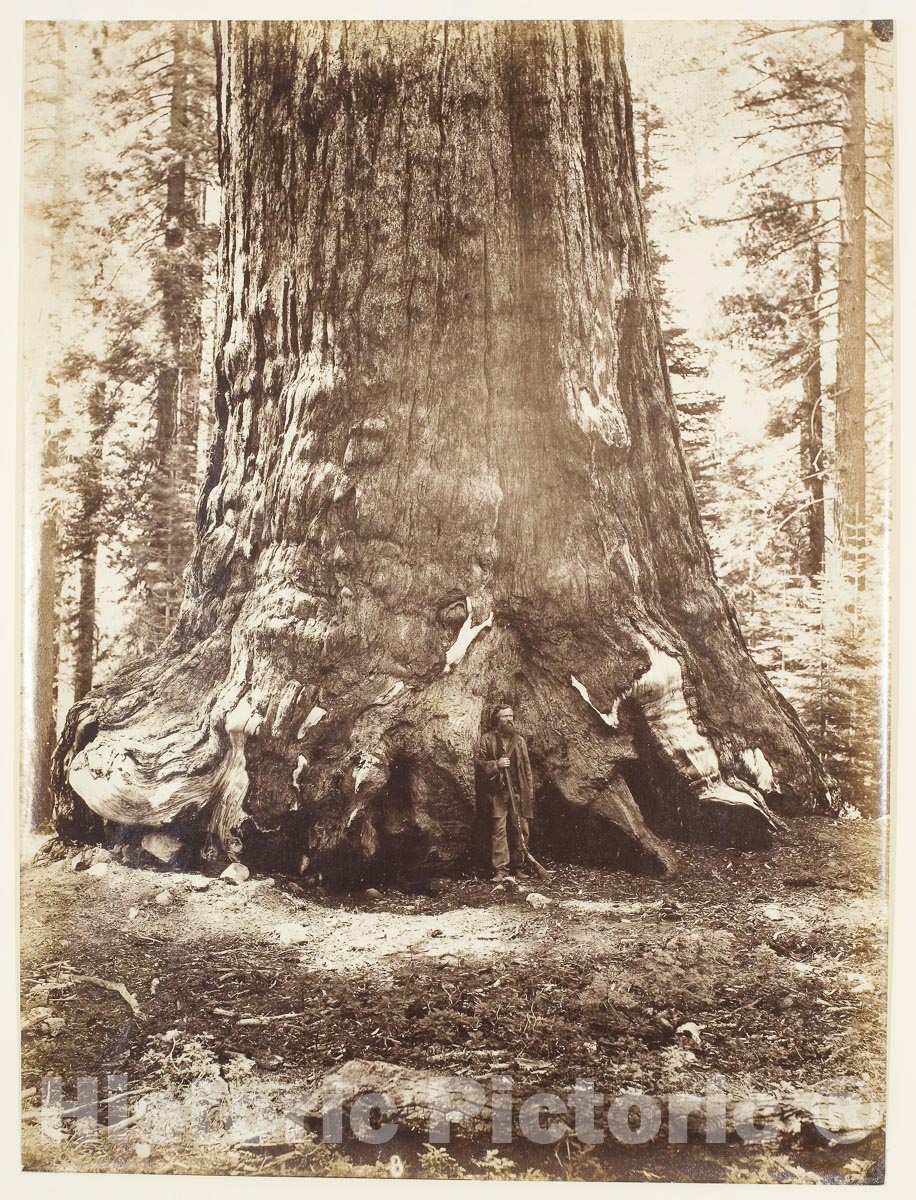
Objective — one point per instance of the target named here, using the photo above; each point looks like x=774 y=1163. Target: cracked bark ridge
x=446 y=473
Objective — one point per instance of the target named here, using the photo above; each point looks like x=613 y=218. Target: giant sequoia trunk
x=446 y=473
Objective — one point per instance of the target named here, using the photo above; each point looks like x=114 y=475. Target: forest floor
x=757 y=975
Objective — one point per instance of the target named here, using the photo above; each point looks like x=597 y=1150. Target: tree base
x=383 y=787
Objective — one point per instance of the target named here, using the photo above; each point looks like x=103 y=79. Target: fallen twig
x=264 y=1020
x=81 y=1110
x=111 y=987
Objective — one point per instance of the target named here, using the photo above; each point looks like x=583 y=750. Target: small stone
x=500 y=887
x=142 y=1150
x=132 y=913
x=690 y=1029
x=304 y=864
x=538 y=900
x=270 y=1062
x=372 y=894
x=80 y=861
x=162 y=846
x=101 y=855
x=235 y=873
x=164 y=899
x=198 y=883
x=98 y=869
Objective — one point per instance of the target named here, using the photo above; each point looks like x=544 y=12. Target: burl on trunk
x=447 y=472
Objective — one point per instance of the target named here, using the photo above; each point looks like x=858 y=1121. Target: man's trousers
x=504 y=833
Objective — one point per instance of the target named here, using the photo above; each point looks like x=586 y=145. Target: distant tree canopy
x=798 y=520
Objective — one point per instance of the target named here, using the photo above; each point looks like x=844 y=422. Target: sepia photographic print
x=455 y=694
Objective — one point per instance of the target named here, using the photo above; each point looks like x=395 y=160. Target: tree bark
x=42 y=651
x=850 y=380
x=87 y=538
x=812 y=420
x=42 y=630
x=180 y=279
x=85 y=619
x=446 y=473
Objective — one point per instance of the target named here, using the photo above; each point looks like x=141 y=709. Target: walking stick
x=541 y=870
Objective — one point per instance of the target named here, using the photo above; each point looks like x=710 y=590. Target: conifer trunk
x=812 y=423
x=42 y=651
x=850 y=380
x=446 y=473
x=180 y=280
x=87 y=537
x=42 y=642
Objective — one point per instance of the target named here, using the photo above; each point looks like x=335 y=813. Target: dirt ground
x=757 y=975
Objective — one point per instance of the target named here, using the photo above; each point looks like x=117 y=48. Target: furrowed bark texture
x=447 y=473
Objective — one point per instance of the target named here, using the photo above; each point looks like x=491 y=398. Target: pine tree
x=125 y=211
x=809 y=236
x=158 y=100
x=699 y=409
x=45 y=105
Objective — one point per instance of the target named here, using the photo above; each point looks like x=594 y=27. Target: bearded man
x=503 y=761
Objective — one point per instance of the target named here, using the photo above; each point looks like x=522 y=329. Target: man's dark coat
x=520 y=768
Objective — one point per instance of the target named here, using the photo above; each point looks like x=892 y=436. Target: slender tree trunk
x=85 y=621
x=181 y=282
x=88 y=543
x=42 y=653
x=812 y=422
x=850 y=381
x=42 y=627
x=447 y=473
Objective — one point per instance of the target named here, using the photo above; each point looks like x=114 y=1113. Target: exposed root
x=596 y=787
x=659 y=693
x=384 y=783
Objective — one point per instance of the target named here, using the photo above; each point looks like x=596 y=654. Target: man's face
x=505 y=720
